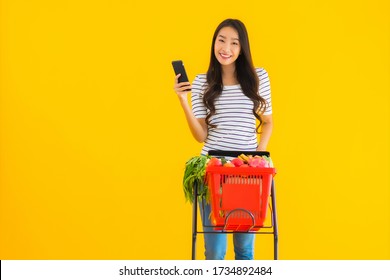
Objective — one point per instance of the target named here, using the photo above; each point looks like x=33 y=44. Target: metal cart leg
x=274 y=221
x=194 y=222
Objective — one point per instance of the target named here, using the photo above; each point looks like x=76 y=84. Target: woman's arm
x=266 y=131
x=197 y=126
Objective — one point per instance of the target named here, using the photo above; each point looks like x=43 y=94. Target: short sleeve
x=198 y=107
x=265 y=89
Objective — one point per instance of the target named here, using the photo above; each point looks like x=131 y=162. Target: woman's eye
x=221 y=40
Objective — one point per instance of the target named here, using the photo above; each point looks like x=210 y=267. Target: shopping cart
x=240 y=199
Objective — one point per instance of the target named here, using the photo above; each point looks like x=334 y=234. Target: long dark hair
x=245 y=72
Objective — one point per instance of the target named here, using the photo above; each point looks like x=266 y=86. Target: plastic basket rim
x=241 y=170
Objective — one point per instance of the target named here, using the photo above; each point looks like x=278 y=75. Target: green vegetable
x=194 y=176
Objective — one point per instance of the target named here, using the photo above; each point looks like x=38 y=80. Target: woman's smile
x=225 y=56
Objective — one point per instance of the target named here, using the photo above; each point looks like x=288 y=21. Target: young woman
x=226 y=102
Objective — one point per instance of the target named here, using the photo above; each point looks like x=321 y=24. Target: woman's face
x=227 y=46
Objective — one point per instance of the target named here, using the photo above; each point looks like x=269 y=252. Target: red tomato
x=237 y=162
x=214 y=162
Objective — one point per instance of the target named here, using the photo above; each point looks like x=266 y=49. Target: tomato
x=214 y=162
x=237 y=162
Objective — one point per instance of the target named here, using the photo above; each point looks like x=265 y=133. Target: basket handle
x=237 y=153
x=240 y=209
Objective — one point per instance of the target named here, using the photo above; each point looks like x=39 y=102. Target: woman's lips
x=225 y=56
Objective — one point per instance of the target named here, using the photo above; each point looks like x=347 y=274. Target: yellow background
x=93 y=140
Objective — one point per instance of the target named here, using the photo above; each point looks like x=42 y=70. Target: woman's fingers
x=181 y=87
x=177 y=78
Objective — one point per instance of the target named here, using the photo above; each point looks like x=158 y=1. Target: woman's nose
x=226 y=48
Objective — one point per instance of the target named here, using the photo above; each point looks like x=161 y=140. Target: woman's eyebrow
x=224 y=37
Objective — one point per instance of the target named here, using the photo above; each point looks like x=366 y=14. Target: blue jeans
x=216 y=244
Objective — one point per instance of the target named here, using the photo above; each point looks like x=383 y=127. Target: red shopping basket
x=239 y=196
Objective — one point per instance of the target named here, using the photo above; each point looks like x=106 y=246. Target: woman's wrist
x=183 y=99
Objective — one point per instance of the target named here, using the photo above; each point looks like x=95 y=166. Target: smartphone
x=178 y=66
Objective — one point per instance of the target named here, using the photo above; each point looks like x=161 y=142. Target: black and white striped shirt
x=234 y=120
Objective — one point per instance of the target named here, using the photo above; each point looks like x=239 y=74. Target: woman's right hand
x=197 y=126
x=181 y=89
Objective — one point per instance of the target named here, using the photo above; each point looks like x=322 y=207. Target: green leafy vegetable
x=194 y=176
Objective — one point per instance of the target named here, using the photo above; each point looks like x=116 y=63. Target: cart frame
x=272 y=229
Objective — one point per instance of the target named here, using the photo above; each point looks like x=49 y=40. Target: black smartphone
x=178 y=66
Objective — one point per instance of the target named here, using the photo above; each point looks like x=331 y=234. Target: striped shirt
x=234 y=120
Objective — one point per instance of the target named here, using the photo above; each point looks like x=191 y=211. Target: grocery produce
x=195 y=171
x=214 y=162
x=194 y=176
x=229 y=164
x=237 y=162
x=242 y=161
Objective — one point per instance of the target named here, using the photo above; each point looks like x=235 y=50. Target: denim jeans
x=216 y=244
